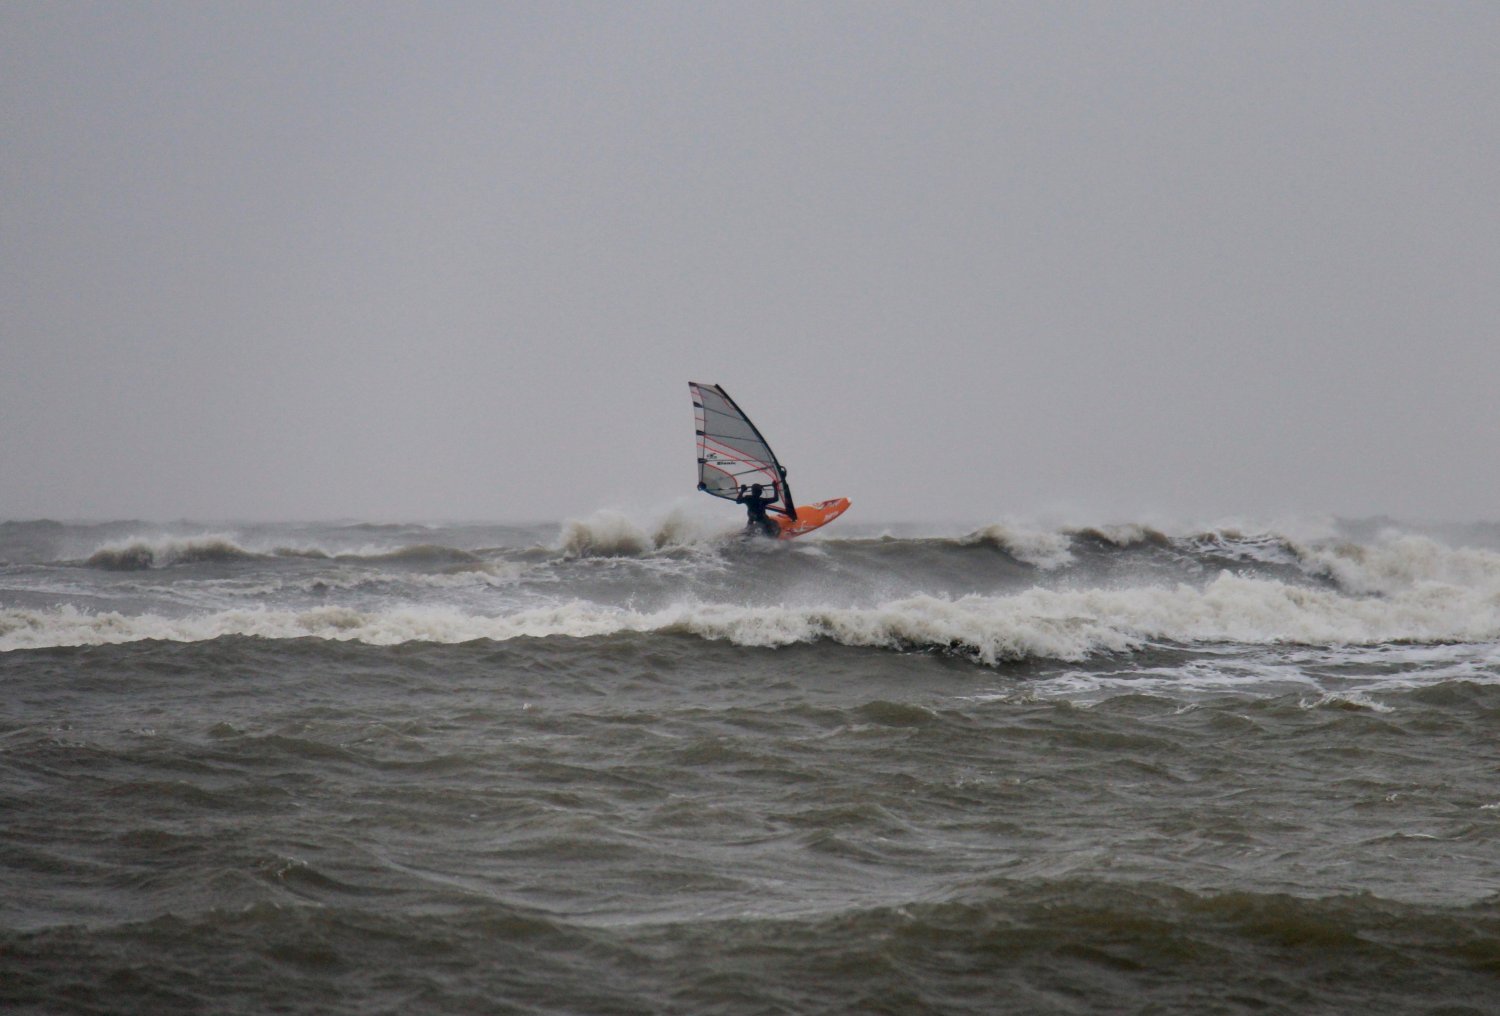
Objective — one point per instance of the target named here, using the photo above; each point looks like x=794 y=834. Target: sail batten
x=731 y=451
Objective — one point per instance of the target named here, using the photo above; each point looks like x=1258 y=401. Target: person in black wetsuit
x=755 y=503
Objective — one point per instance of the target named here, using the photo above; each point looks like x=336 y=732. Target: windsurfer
x=755 y=502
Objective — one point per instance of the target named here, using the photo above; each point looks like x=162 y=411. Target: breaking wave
x=609 y=533
x=604 y=534
x=995 y=595
x=141 y=554
x=1057 y=624
x=1044 y=549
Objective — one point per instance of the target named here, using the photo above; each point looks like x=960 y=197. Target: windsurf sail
x=731 y=452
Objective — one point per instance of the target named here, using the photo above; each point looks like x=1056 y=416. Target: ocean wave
x=604 y=534
x=1041 y=548
x=146 y=553
x=143 y=554
x=1387 y=562
x=1392 y=563
x=1398 y=563
x=1121 y=536
x=431 y=554
x=1056 y=624
x=608 y=533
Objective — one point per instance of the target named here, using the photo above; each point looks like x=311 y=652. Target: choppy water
x=609 y=767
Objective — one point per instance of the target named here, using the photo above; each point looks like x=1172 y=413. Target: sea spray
x=604 y=534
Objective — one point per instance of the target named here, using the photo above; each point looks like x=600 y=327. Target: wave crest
x=1058 y=624
x=604 y=534
x=143 y=554
x=433 y=554
x=1040 y=548
x=1403 y=562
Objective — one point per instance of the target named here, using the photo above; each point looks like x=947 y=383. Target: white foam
x=611 y=533
x=1067 y=624
x=683 y=526
x=1400 y=563
x=1042 y=548
x=139 y=552
x=1126 y=534
x=604 y=534
x=1356 y=700
x=66 y=626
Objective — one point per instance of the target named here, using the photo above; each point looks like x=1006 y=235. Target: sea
x=629 y=765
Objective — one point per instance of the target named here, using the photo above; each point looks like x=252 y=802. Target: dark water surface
x=475 y=769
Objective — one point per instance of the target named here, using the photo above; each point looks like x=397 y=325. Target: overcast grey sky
x=416 y=261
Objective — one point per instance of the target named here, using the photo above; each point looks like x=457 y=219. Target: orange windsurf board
x=810 y=517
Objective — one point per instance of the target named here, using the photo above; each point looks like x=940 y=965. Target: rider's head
x=755 y=489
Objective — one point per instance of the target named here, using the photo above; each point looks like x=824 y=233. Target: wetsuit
x=755 y=506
